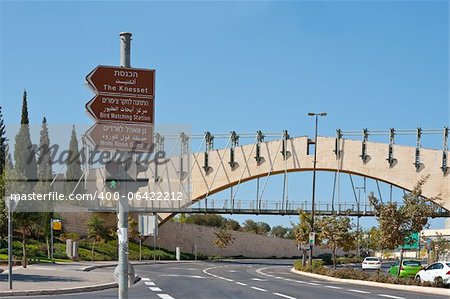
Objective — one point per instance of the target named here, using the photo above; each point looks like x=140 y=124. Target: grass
x=103 y=251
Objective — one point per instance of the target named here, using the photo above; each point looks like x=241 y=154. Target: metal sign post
x=123 y=109
x=125 y=44
x=55 y=224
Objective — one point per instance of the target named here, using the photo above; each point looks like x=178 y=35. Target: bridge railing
x=291 y=207
x=279 y=205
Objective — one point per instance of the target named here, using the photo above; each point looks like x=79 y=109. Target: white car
x=371 y=263
x=435 y=272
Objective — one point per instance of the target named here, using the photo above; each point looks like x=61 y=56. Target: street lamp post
x=358 y=250
x=316 y=115
x=11 y=204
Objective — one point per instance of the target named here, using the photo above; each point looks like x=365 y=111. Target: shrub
x=349 y=273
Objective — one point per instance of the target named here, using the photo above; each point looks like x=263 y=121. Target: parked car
x=409 y=268
x=371 y=263
x=437 y=272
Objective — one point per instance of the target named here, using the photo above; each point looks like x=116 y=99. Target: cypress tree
x=45 y=175
x=2 y=142
x=74 y=172
x=24 y=154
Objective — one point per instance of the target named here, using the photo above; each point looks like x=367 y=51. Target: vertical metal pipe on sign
x=125 y=49
x=125 y=46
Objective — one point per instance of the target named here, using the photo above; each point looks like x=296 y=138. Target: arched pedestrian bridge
x=214 y=170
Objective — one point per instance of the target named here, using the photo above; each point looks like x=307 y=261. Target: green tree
x=397 y=223
x=279 y=231
x=73 y=173
x=263 y=228
x=440 y=246
x=224 y=237
x=232 y=224
x=3 y=208
x=212 y=220
x=96 y=231
x=43 y=186
x=24 y=154
x=25 y=222
x=335 y=231
x=370 y=239
x=44 y=162
x=250 y=226
x=3 y=145
x=301 y=232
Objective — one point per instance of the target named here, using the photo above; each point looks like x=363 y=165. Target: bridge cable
x=270 y=171
x=221 y=162
x=196 y=162
x=243 y=170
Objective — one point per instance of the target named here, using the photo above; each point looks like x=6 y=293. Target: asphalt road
x=252 y=279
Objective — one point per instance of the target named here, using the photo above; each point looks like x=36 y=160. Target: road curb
x=90 y=268
x=426 y=290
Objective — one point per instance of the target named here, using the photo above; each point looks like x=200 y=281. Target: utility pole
x=316 y=115
x=125 y=45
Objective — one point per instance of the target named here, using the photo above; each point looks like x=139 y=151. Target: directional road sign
x=122 y=81
x=121 y=136
x=117 y=108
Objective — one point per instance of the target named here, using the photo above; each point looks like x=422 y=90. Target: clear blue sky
x=241 y=66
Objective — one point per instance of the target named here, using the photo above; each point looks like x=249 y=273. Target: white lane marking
x=259 y=289
x=258 y=279
x=284 y=296
x=145 y=279
x=227 y=279
x=149 y=283
x=155 y=289
x=333 y=287
x=165 y=296
x=358 y=291
x=232 y=271
x=313 y=283
x=241 y=283
x=188 y=269
x=181 y=275
x=390 y=296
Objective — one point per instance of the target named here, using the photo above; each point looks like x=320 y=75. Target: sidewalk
x=60 y=278
x=63 y=278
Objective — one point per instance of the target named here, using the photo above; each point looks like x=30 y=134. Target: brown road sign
x=121 y=136
x=116 y=108
x=120 y=80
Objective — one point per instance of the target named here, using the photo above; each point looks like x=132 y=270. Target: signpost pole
x=125 y=44
x=51 y=240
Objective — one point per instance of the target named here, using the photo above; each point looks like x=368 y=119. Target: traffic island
x=411 y=288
